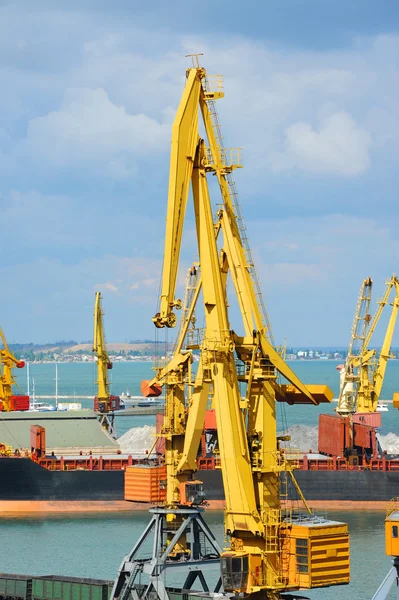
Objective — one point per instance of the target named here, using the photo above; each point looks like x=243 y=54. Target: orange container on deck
x=38 y=440
x=372 y=419
x=145 y=484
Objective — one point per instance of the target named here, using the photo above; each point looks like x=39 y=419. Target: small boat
x=150 y=403
x=130 y=401
x=382 y=406
x=39 y=406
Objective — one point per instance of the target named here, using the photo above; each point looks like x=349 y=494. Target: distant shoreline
x=156 y=358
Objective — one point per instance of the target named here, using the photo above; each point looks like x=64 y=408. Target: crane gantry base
x=107 y=420
x=181 y=544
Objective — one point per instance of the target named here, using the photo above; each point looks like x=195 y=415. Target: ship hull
x=361 y=486
x=23 y=479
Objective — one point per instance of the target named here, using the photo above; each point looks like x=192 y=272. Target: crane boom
x=372 y=370
x=104 y=402
x=103 y=361
x=385 y=352
x=184 y=142
x=364 y=374
x=361 y=321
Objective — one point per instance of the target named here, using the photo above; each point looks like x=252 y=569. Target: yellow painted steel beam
x=184 y=143
x=103 y=360
x=8 y=362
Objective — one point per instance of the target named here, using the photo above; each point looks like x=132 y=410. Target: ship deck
x=67 y=432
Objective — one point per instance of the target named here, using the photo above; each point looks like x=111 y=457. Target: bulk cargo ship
x=70 y=458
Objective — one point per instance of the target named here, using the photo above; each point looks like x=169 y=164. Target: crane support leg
x=107 y=420
x=385 y=587
x=199 y=557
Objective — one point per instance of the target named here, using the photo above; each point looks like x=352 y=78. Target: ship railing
x=341 y=464
x=383 y=464
x=94 y=463
x=208 y=463
x=292 y=455
x=321 y=464
x=263 y=369
x=392 y=506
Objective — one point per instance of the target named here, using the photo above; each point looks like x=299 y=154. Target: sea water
x=93 y=546
x=80 y=378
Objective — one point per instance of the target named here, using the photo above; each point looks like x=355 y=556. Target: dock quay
x=135 y=411
x=128 y=411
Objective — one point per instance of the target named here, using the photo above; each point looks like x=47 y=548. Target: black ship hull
x=23 y=479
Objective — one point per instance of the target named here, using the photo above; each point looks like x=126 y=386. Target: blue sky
x=89 y=90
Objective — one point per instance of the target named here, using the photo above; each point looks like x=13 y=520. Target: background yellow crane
x=104 y=402
x=364 y=372
x=269 y=551
x=8 y=363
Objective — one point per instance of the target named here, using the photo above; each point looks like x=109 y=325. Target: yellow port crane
x=364 y=371
x=104 y=402
x=269 y=550
x=8 y=362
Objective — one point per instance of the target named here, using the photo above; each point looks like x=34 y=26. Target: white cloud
x=294 y=272
x=86 y=123
x=90 y=127
x=288 y=107
x=57 y=299
x=338 y=244
x=108 y=287
x=338 y=147
x=311 y=269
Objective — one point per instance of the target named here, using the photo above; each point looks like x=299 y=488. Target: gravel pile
x=303 y=437
x=137 y=440
x=390 y=443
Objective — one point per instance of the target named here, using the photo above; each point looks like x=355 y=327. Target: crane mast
x=8 y=362
x=364 y=375
x=349 y=379
x=239 y=374
x=372 y=370
x=104 y=402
